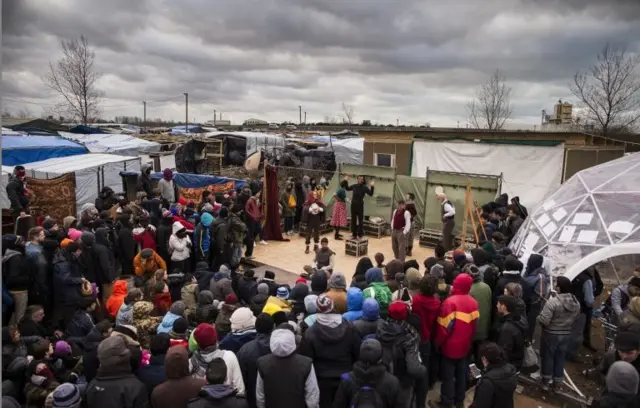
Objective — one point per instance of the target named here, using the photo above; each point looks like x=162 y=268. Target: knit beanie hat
x=264 y=323
x=622 y=378
x=48 y=223
x=324 y=304
x=127 y=332
x=113 y=351
x=88 y=238
x=62 y=348
x=374 y=275
x=627 y=341
x=178 y=308
x=437 y=271
x=146 y=253
x=74 y=234
x=371 y=351
x=398 y=310
x=310 y=304
x=231 y=299
x=263 y=288
x=337 y=281
x=180 y=325
x=67 y=395
x=282 y=293
x=301 y=280
x=242 y=319
x=205 y=335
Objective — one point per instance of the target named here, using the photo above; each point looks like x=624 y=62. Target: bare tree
x=348 y=113
x=610 y=90
x=491 y=107
x=74 y=78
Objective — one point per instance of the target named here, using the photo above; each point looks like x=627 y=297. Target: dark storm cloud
x=413 y=59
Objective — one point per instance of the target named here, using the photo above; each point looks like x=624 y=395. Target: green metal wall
x=415 y=185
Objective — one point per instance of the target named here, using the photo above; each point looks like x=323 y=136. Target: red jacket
x=253 y=210
x=457 y=320
x=162 y=302
x=427 y=309
x=146 y=239
x=178 y=342
x=189 y=226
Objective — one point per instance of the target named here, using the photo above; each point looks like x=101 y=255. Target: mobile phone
x=475 y=371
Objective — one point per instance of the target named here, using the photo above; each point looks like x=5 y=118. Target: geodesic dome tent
x=593 y=217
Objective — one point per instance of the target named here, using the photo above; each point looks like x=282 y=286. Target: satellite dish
x=252 y=164
x=439 y=190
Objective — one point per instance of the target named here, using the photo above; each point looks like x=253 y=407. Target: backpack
x=598 y=285
x=364 y=396
x=393 y=357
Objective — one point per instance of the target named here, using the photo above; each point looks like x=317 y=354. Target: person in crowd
x=247 y=286
x=154 y=373
x=310 y=312
x=144 y=323
x=391 y=270
x=364 y=264
x=296 y=298
x=401 y=342
x=180 y=248
x=377 y=289
x=630 y=319
x=410 y=206
x=180 y=386
x=125 y=312
x=114 y=380
x=521 y=210
x=410 y=285
x=499 y=379
x=106 y=199
x=333 y=345
x=115 y=301
x=217 y=393
x=481 y=292
x=511 y=274
x=369 y=380
x=207 y=338
x=443 y=289
x=176 y=311
x=237 y=230
x=242 y=330
x=355 y=299
x=281 y=299
x=286 y=378
x=621 y=296
x=339 y=215
x=515 y=290
x=455 y=330
x=535 y=290
x=221 y=239
x=66 y=395
x=17 y=275
x=400 y=226
x=260 y=299
x=584 y=289
x=40 y=378
x=202 y=237
x=206 y=309
x=203 y=275
x=144 y=233
x=37 y=269
x=163 y=234
x=168 y=187
x=488 y=272
x=379 y=258
x=324 y=256
x=512 y=331
x=288 y=203
x=337 y=291
x=221 y=285
x=67 y=283
x=144 y=180
x=189 y=294
x=360 y=189
x=223 y=320
x=250 y=353
x=313 y=215
x=126 y=244
x=513 y=224
x=17 y=193
x=81 y=321
x=622 y=387
x=626 y=348
x=556 y=318
x=179 y=333
x=105 y=262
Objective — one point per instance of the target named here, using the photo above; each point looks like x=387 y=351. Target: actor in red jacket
x=454 y=336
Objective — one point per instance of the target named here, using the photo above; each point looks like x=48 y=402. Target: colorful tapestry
x=54 y=197
x=195 y=194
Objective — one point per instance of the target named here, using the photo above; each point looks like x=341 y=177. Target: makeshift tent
x=238 y=146
x=530 y=172
x=185 y=130
x=347 y=150
x=125 y=145
x=591 y=218
x=93 y=172
x=85 y=130
x=27 y=148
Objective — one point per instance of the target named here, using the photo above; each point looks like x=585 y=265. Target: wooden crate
x=377 y=230
x=356 y=247
x=213 y=146
x=213 y=164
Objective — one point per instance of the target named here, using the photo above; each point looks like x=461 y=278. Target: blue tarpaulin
x=29 y=149
x=189 y=180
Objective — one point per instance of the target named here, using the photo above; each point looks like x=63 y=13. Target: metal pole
x=214 y=117
x=144 y=118
x=305 y=117
x=300 y=114
x=186 y=112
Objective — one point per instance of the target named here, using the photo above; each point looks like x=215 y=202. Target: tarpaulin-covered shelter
x=125 y=145
x=348 y=151
x=185 y=130
x=237 y=146
x=591 y=218
x=21 y=149
x=93 y=171
x=34 y=126
x=85 y=130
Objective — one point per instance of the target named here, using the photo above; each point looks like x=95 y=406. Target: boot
x=409 y=251
x=337 y=237
x=306 y=251
x=315 y=248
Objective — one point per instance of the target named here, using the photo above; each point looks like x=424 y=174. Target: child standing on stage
x=339 y=216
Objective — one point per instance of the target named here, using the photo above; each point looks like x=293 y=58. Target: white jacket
x=199 y=361
x=179 y=247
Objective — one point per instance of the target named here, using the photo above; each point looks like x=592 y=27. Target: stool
x=356 y=247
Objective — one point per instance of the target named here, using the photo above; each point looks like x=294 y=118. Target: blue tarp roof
x=190 y=180
x=28 y=149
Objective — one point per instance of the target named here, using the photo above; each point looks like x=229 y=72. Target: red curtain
x=270 y=198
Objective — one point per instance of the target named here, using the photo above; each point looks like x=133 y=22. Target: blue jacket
x=80 y=325
x=202 y=235
x=152 y=374
x=166 y=325
x=67 y=279
x=234 y=341
x=355 y=299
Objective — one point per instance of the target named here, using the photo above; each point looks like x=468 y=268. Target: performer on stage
x=411 y=207
x=357 y=204
x=448 y=221
x=313 y=215
x=339 y=216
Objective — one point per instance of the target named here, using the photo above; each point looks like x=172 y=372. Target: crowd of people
x=145 y=304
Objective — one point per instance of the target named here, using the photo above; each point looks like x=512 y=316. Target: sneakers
x=263 y=242
x=248 y=258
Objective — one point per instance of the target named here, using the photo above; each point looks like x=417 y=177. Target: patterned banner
x=195 y=194
x=54 y=197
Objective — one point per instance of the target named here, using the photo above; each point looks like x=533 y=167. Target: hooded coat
x=206 y=312
x=221 y=286
x=126 y=246
x=144 y=323
x=180 y=387
x=202 y=357
x=496 y=387
x=375 y=376
x=247 y=288
x=392 y=333
x=558 y=314
x=218 y=396
x=511 y=337
x=115 y=301
x=355 y=299
x=427 y=309
x=457 y=320
x=630 y=318
x=67 y=279
x=105 y=264
x=248 y=356
x=180 y=248
x=368 y=324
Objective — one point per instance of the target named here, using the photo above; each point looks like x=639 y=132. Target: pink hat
x=74 y=234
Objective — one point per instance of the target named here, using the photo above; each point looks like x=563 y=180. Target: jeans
x=422 y=385
x=453 y=374
x=553 y=351
x=357 y=220
x=398 y=244
x=288 y=223
x=258 y=230
x=236 y=255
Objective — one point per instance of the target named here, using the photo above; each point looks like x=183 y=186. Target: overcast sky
x=417 y=61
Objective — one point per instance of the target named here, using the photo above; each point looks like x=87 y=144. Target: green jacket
x=238 y=229
x=481 y=292
x=380 y=292
x=284 y=202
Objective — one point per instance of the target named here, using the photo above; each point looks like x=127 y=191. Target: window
x=385 y=159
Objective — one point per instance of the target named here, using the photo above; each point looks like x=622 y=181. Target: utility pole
x=186 y=112
x=144 y=117
x=214 y=117
x=305 y=117
x=300 y=114
x=397 y=122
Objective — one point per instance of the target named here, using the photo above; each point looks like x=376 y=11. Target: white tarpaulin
x=529 y=172
x=93 y=172
x=346 y=150
x=591 y=218
x=125 y=145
